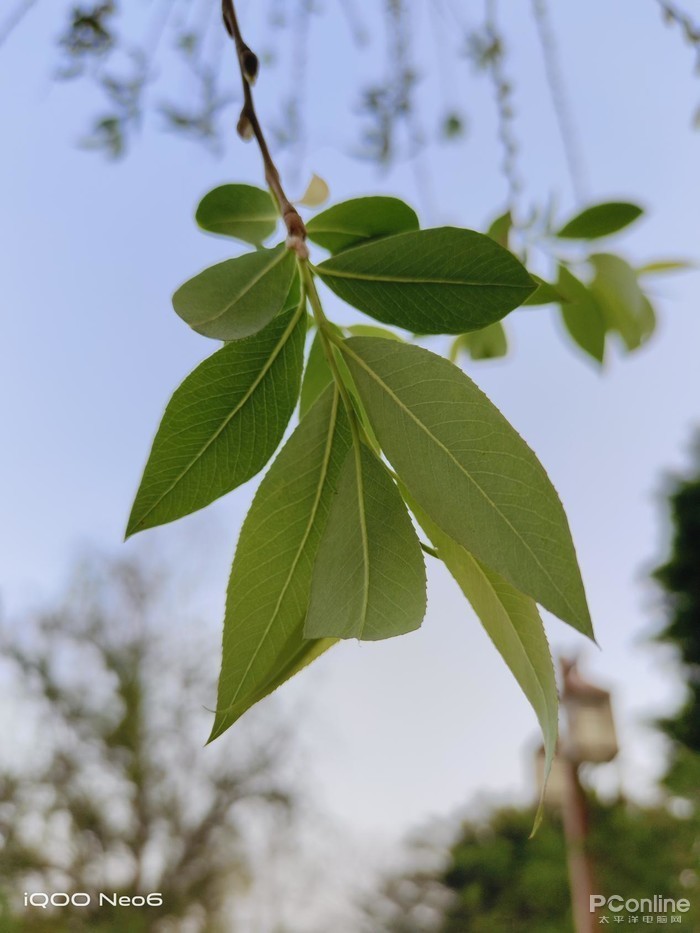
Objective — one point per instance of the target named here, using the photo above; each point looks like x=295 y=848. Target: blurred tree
x=495 y=879
x=679 y=578
x=111 y=791
x=128 y=49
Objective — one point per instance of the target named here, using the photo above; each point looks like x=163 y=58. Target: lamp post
x=588 y=736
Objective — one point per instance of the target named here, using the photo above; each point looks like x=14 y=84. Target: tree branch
x=14 y=19
x=249 y=127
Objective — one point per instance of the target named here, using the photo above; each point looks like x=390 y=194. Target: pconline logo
x=656 y=904
x=81 y=899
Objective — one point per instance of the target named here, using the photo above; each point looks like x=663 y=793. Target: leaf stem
x=249 y=126
x=327 y=339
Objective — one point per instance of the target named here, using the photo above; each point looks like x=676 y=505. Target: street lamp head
x=591 y=727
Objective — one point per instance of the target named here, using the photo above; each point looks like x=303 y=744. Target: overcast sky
x=91 y=351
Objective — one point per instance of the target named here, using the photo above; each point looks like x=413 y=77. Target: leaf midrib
x=364 y=536
x=325 y=272
x=498 y=599
x=297 y=557
x=227 y=420
x=344 y=347
x=248 y=286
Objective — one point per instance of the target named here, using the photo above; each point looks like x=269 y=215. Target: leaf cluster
x=392 y=438
x=600 y=296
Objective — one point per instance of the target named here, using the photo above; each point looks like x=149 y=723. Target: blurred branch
x=555 y=82
x=690 y=29
x=488 y=52
x=14 y=19
x=249 y=126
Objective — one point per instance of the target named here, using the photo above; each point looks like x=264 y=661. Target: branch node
x=249 y=126
x=244 y=127
x=249 y=65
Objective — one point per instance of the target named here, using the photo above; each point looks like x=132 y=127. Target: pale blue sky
x=91 y=351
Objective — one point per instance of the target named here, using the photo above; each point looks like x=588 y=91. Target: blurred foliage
x=109 y=789
x=130 y=52
x=496 y=879
x=679 y=578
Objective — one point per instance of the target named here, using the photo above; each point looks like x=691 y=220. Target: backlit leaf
x=237 y=297
x=369 y=578
x=469 y=470
x=317 y=192
x=544 y=294
x=317 y=376
x=661 y=266
x=513 y=624
x=222 y=424
x=270 y=583
x=441 y=281
x=600 y=220
x=351 y=222
x=239 y=211
x=616 y=289
x=500 y=229
x=487 y=344
x=582 y=315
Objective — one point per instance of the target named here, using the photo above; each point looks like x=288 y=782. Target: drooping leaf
x=582 y=315
x=469 y=470
x=270 y=583
x=222 y=424
x=600 y=220
x=239 y=211
x=352 y=222
x=616 y=289
x=513 y=624
x=237 y=297
x=317 y=192
x=441 y=281
x=317 y=376
x=369 y=577
x=500 y=229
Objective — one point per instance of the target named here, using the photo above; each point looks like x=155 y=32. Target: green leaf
x=582 y=315
x=222 y=424
x=369 y=578
x=237 y=297
x=500 y=229
x=513 y=624
x=352 y=222
x=616 y=289
x=270 y=584
x=469 y=470
x=370 y=330
x=487 y=344
x=317 y=376
x=600 y=220
x=647 y=318
x=441 y=281
x=239 y=211
x=662 y=266
x=544 y=294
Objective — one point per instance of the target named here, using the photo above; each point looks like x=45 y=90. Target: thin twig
x=249 y=126
x=557 y=92
x=503 y=90
x=674 y=14
x=14 y=19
